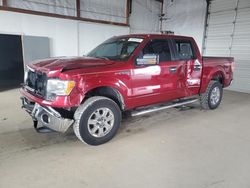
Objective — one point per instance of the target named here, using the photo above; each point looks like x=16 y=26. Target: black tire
x=84 y=113
x=205 y=98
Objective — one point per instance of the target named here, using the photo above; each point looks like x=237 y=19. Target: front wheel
x=97 y=120
x=211 y=99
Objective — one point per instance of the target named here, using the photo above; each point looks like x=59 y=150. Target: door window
x=159 y=47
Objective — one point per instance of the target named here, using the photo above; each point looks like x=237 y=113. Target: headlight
x=59 y=87
x=25 y=77
x=26 y=73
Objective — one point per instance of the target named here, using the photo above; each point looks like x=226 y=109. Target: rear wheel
x=211 y=99
x=97 y=120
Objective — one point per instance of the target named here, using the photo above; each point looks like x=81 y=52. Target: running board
x=158 y=108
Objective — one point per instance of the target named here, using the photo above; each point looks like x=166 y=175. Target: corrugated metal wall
x=228 y=34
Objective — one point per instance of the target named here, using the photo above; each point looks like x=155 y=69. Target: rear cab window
x=184 y=49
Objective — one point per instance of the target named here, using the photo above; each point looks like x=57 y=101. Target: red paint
x=139 y=86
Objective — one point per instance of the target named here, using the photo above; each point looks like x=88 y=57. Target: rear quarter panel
x=215 y=66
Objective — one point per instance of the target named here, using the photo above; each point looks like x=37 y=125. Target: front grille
x=36 y=82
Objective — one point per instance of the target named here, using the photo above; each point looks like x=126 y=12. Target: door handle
x=172 y=69
x=197 y=66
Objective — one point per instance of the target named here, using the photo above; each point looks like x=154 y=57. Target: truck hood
x=62 y=64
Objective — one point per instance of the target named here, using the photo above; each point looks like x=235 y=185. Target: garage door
x=228 y=34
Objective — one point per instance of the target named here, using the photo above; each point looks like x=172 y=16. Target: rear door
x=185 y=53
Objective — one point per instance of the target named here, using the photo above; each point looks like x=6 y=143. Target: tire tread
x=81 y=109
x=204 y=97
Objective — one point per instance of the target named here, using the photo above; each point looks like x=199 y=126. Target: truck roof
x=156 y=35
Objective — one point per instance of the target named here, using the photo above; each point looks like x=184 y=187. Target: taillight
x=233 y=66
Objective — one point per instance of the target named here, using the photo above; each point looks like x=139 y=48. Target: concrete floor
x=173 y=149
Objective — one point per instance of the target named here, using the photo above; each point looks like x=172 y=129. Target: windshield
x=116 y=48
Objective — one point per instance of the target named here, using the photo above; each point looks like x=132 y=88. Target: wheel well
x=107 y=92
x=219 y=77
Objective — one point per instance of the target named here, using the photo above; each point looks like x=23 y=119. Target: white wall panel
x=186 y=18
x=218 y=42
x=62 y=32
x=241 y=48
x=228 y=35
x=67 y=37
x=145 y=16
x=108 y=10
x=244 y=4
x=243 y=15
x=220 y=28
x=98 y=33
x=222 y=5
x=35 y=48
x=63 y=7
x=223 y=17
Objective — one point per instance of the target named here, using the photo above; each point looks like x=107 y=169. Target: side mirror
x=148 y=59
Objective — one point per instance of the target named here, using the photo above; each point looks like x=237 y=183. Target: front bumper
x=73 y=100
x=231 y=82
x=46 y=116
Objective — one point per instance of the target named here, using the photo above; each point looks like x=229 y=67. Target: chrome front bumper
x=46 y=116
x=231 y=82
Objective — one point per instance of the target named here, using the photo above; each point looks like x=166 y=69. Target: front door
x=157 y=83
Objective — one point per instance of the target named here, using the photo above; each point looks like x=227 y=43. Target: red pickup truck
x=132 y=73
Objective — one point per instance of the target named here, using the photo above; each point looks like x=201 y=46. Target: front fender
x=107 y=81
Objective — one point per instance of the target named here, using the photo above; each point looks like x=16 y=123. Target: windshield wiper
x=102 y=57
